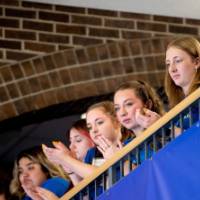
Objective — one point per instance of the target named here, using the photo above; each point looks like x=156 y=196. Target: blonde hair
x=108 y=108
x=192 y=47
x=36 y=155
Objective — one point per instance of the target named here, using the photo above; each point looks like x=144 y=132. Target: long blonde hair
x=36 y=155
x=192 y=47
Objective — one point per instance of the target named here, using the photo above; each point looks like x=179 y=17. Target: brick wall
x=51 y=54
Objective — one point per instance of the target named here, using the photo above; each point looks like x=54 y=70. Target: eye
x=129 y=103
x=178 y=61
x=89 y=128
x=78 y=140
x=99 y=122
x=167 y=65
x=116 y=109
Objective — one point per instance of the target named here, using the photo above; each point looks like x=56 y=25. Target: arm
x=58 y=156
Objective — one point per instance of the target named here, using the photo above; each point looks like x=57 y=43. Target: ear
x=149 y=104
x=197 y=63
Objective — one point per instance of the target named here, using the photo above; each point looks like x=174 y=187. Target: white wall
x=179 y=8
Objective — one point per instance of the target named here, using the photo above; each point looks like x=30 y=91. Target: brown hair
x=146 y=93
x=191 y=46
x=108 y=107
x=35 y=154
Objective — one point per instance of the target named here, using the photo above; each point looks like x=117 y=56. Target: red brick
x=44 y=81
x=61 y=95
x=9 y=110
x=80 y=73
x=135 y=47
x=104 y=32
x=42 y=6
x=183 y=29
x=59 y=59
x=92 y=54
x=22 y=13
x=55 y=79
x=150 y=63
x=160 y=62
x=3 y=94
x=6 y=74
x=40 y=26
x=151 y=26
x=49 y=62
x=135 y=35
x=193 y=21
x=39 y=101
x=102 y=12
x=106 y=68
x=135 y=15
x=39 y=65
x=50 y=97
x=139 y=64
x=113 y=50
x=53 y=38
x=10 y=44
x=13 y=90
x=81 y=56
x=119 y=23
x=26 y=35
x=65 y=76
x=20 y=106
x=117 y=67
x=64 y=47
x=124 y=49
x=102 y=52
x=71 y=29
x=9 y=3
x=1 y=11
x=86 y=41
x=52 y=16
x=96 y=70
x=168 y=19
x=86 y=20
x=17 y=71
x=70 y=57
x=128 y=65
x=70 y=9
x=34 y=85
x=40 y=47
x=24 y=87
x=13 y=23
x=28 y=68
x=12 y=55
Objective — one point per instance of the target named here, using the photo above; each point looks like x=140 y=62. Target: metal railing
x=141 y=148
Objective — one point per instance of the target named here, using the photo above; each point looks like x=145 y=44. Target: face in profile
x=79 y=143
x=100 y=124
x=126 y=103
x=181 y=67
x=30 y=172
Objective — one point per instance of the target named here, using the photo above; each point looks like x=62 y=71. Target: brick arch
x=73 y=74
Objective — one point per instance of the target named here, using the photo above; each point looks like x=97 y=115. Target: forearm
x=78 y=167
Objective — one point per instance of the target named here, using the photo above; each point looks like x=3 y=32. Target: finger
x=107 y=141
x=100 y=149
x=119 y=144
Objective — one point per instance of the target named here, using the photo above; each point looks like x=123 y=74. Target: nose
x=95 y=130
x=72 y=146
x=172 y=67
x=122 y=112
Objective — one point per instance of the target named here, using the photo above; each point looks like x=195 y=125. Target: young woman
x=105 y=132
x=80 y=143
x=183 y=72
x=31 y=170
x=137 y=106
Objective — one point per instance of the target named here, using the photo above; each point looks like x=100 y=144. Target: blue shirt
x=57 y=185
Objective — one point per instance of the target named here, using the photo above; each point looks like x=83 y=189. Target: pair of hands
x=57 y=154
x=37 y=193
x=146 y=117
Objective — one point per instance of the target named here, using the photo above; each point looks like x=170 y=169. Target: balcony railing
x=140 y=149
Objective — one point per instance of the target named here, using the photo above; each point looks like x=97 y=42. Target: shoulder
x=57 y=185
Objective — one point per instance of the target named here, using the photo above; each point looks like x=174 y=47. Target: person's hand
x=146 y=117
x=46 y=194
x=30 y=189
x=107 y=148
x=56 y=154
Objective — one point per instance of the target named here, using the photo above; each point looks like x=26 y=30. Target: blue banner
x=172 y=174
